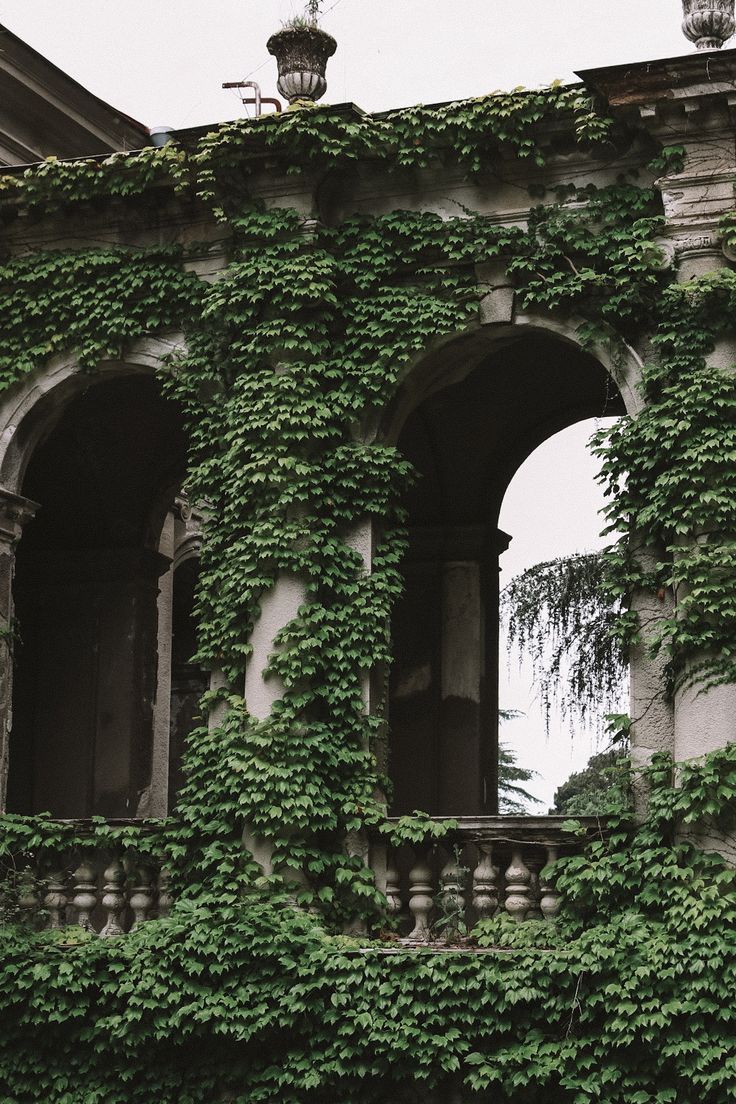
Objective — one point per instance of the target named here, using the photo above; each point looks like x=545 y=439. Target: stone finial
x=708 y=23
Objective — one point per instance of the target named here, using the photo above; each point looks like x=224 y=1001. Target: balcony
x=437 y=890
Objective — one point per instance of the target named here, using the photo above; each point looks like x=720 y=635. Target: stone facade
x=468 y=412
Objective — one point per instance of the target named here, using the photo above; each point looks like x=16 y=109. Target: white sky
x=163 y=62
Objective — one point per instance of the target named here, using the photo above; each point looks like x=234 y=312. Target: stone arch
x=452 y=357
x=460 y=559
x=31 y=407
x=35 y=417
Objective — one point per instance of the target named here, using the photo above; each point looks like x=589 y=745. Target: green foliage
x=513 y=798
x=600 y=788
x=238 y=996
x=625 y=998
x=670 y=474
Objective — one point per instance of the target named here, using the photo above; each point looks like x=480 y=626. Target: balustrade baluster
x=55 y=900
x=535 y=865
x=393 y=886
x=164 y=893
x=29 y=898
x=113 y=900
x=141 y=896
x=518 y=877
x=485 y=894
x=452 y=896
x=84 y=893
x=421 y=896
x=550 y=901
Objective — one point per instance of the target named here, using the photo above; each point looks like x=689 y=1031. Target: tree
x=562 y=614
x=513 y=799
x=599 y=788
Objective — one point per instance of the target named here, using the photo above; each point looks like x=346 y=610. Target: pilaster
x=15 y=513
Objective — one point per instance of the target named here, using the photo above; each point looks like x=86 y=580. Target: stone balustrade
x=101 y=890
x=487 y=864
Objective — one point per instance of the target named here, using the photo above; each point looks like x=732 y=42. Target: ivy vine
x=238 y=996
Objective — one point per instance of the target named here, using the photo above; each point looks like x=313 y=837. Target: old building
x=100 y=545
x=250 y=848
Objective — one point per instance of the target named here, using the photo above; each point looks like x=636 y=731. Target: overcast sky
x=163 y=62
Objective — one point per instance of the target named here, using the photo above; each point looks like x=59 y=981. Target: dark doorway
x=87 y=580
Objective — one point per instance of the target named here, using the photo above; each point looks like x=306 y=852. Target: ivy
x=238 y=996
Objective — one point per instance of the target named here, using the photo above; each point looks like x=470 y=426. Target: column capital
x=15 y=513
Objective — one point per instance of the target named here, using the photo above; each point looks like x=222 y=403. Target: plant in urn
x=708 y=23
x=302 y=50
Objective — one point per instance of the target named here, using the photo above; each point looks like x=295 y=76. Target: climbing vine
x=238 y=996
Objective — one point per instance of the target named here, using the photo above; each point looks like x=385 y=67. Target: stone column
x=651 y=706
x=279 y=606
x=468 y=732
x=701 y=119
x=705 y=718
x=15 y=512
x=159 y=789
x=463 y=663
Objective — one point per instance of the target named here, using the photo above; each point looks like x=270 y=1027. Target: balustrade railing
x=106 y=890
x=437 y=889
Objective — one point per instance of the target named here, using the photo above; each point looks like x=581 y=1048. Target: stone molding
x=15 y=513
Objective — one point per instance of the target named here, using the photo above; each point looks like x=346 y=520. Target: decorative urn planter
x=709 y=23
x=302 y=53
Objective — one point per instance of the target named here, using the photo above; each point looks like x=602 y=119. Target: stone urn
x=302 y=53
x=708 y=23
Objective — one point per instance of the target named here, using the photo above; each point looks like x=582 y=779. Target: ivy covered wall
x=289 y=356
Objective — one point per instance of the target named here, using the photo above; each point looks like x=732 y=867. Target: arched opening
x=466 y=440
x=86 y=587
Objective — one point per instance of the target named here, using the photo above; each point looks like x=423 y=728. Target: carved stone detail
x=452 y=897
x=393 y=887
x=485 y=894
x=302 y=55
x=84 y=896
x=113 y=900
x=518 y=877
x=708 y=23
x=549 y=901
x=55 y=900
x=421 y=896
x=141 y=896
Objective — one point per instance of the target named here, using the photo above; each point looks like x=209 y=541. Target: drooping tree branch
x=560 y=615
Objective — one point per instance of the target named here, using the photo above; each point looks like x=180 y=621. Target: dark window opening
x=86 y=587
